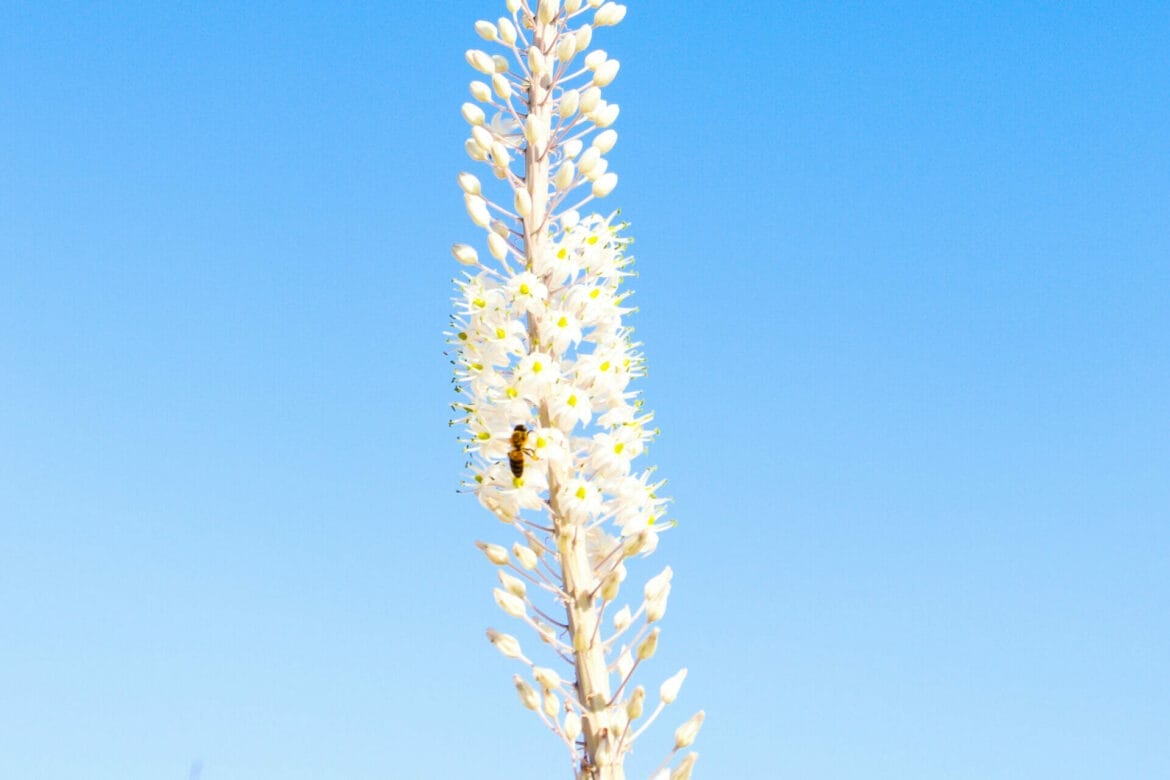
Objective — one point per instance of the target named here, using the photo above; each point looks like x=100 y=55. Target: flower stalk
x=543 y=362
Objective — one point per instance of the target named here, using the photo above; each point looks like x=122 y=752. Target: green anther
x=479 y=478
x=581 y=493
x=477 y=366
x=483 y=435
x=462 y=336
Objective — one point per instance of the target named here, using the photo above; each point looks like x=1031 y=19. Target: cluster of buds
x=543 y=364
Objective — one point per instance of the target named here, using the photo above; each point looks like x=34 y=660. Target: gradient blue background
x=904 y=284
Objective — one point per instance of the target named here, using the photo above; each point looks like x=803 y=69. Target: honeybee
x=518 y=451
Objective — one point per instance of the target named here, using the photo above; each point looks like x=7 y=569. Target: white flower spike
x=544 y=362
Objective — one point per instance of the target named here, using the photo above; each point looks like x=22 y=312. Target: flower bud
x=565 y=175
x=509 y=603
x=589 y=160
x=547 y=11
x=609 y=14
x=635 y=704
x=569 y=219
x=501 y=63
x=668 y=692
x=528 y=696
x=604 y=185
x=584 y=37
x=686 y=733
x=657 y=608
x=500 y=154
x=606 y=116
x=597 y=170
x=606 y=72
x=566 y=47
x=622 y=618
x=605 y=140
x=500 y=228
x=512 y=5
x=497 y=245
x=589 y=100
x=481 y=92
x=685 y=767
x=572 y=6
x=474 y=150
x=481 y=61
x=594 y=58
x=468 y=183
x=477 y=209
x=494 y=552
x=501 y=86
x=482 y=136
x=568 y=103
x=473 y=114
x=625 y=663
x=486 y=30
x=551 y=703
x=647 y=648
x=523 y=203
x=468 y=256
x=507 y=31
x=572 y=726
x=610 y=586
x=505 y=643
x=513 y=585
x=537 y=63
x=524 y=555
x=656 y=584
x=547 y=678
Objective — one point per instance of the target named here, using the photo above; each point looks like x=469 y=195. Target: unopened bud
x=510 y=603
x=566 y=47
x=467 y=255
x=589 y=100
x=605 y=140
x=523 y=203
x=480 y=91
x=687 y=732
x=572 y=148
x=656 y=584
x=568 y=103
x=668 y=692
x=537 y=63
x=606 y=115
x=497 y=245
x=622 y=618
x=657 y=608
x=551 y=703
x=565 y=175
x=482 y=136
x=500 y=154
x=507 y=31
x=505 y=643
x=512 y=5
x=584 y=37
x=477 y=209
x=604 y=185
x=685 y=767
x=610 y=586
x=486 y=30
x=513 y=585
x=474 y=150
x=609 y=14
x=481 y=61
x=648 y=646
x=636 y=702
x=606 y=72
x=547 y=678
x=547 y=10
x=528 y=696
x=501 y=63
x=473 y=114
x=572 y=6
x=525 y=556
x=595 y=58
x=501 y=86
x=589 y=160
x=494 y=552
x=572 y=726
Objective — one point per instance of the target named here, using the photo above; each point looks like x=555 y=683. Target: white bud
x=501 y=86
x=512 y=5
x=657 y=583
x=480 y=61
x=606 y=116
x=551 y=704
x=657 y=608
x=509 y=603
x=609 y=14
x=572 y=726
x=594 y=58
x=523 y=203
x=589 y=160
x=501 y=63
x=566 y=47
x=567 y=106
x=477 y=209
x=468 y=183
x=625 y=663
x=622 y=618
x=571 y=6
x=648 y=647
x=537 y=63
x=584 y=37
x=505 y=643
x=500 y=155
x=498 y=246
x=525 y=555
x=513 y=585
x=547 y=10
x=590 y=99
x=528 y=696
x=500 y=228
x=531 y=129
x=569 y=219
x=595 y=3
x=669 y=690
x=474 y=150
x=635 y=704
x=686 y=733
x=610 y=586
x=486 y=30
x=598 y=169
x=482 y=136
x=481 y=92
x=572 y=148
x=605 y=140
x=605 y=73
x=547 y=678
x=473 y=113
x=468 y=256
x=565 y=175
x=494 y=552
x=507 y=31
x=685 y=767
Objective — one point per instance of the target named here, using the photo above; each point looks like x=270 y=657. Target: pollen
x=537 y=366
x=580 y=493
x=572 y=400
x=525 y=289
x=591 y=240
x=617 y=448
x=511 y=392
x=479 y=303
x=483 y=435
x=562 y=253
x=604 y=366
x=562 y=322
x=596 y=291
x=500 y=333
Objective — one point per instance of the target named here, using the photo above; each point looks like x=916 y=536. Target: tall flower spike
x=543 y=366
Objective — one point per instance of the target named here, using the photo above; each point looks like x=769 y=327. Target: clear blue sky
x=904 y=281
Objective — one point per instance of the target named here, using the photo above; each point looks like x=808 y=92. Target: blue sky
x=903 y=291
